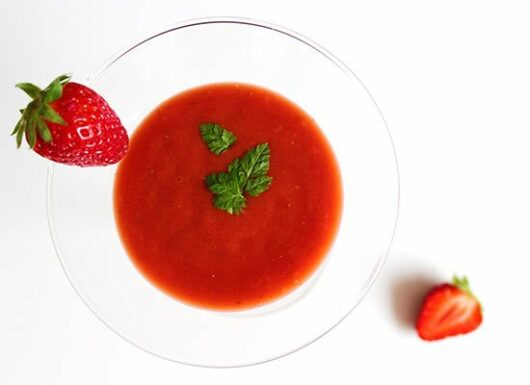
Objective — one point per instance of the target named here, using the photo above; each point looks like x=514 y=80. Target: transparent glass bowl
x=222 y=50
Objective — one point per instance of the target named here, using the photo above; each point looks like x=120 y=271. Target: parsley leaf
x=217 y=138
x=247 y=174
x=258 y=185
x=227 y=191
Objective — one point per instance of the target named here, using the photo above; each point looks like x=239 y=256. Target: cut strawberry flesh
x=448 y=311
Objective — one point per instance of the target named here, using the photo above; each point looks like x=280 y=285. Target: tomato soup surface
x=205 y=256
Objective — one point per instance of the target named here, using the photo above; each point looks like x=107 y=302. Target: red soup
x=205 y=256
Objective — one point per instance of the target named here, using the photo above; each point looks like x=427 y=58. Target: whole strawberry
x=70 y=123
x=448 y=310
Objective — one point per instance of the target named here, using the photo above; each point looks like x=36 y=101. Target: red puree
x=202 y=255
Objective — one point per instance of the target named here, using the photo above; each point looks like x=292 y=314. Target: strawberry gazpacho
x=229 y=197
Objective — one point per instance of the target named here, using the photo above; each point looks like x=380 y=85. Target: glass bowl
x=205 y=51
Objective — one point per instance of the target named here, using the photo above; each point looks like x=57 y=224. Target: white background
x=453 y=81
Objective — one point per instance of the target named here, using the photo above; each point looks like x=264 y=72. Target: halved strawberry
x=70 y=123
x=448 y=310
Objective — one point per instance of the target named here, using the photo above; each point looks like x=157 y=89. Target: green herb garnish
x=217 y=138
x=247 y=174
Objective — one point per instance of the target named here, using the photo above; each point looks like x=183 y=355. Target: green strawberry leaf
x=30 y=89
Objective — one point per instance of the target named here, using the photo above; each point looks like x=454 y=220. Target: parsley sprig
x=217 y=138
x=247 y=174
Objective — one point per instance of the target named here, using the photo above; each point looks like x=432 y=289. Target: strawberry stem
x=463 y=284
x=38 y=112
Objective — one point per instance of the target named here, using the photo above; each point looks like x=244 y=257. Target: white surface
x=453 y=81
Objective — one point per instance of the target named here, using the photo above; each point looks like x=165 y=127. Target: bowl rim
x=368 y=284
